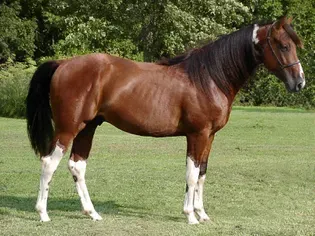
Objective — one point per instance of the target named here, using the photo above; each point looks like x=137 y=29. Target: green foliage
x=175 y=26
x=17 y=34
x=93 y=35
x=156 y=28
x=14 y=80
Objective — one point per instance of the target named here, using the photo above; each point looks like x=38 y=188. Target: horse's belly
x=143 y=103
x=144 y=115
x=142 y=122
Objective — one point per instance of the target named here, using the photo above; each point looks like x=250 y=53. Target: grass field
x=261 y=181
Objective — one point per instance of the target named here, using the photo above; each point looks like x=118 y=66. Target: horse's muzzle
x=300 y=86
x=297 y=86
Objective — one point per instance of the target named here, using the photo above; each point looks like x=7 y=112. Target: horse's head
x=278 y=43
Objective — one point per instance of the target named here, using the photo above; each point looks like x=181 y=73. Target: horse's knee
x=77 y=169
x=51 y=161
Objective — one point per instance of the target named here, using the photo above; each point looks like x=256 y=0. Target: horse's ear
x=283 y=20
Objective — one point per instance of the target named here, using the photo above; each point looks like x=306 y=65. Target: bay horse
x=190 y=95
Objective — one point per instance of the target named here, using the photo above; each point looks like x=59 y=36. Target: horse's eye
x=284 y=48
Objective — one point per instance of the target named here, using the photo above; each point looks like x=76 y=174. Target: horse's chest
x=219 y=121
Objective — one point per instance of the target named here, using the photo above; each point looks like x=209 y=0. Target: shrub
x=14 y=80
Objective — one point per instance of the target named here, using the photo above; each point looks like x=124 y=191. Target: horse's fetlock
x=40 y=208
x=188 y=210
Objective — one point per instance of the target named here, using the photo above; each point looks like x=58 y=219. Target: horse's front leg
x=198 y=197
x=198 y=148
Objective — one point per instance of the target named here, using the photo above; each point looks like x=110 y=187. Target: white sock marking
x=78 y=170
x=198 y=200
x=192 y=173
x=49 y=166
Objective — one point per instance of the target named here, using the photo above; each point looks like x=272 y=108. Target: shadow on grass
x=27 y=204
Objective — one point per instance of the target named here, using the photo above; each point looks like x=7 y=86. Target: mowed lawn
x=260 y=181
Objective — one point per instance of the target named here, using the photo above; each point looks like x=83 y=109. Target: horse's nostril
x=299 y=86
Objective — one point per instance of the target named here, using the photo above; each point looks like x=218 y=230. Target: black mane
x=228 y=61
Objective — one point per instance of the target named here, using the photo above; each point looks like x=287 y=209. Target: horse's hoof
x=192 y=220
x=96 y=217
x=44 y=217
x=93 y=214
x=206 y=219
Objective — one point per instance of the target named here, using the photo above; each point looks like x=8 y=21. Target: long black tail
x=38 y=111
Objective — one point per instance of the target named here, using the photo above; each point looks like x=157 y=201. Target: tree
x=17 y=34
x=156 y=28
x=170 y=27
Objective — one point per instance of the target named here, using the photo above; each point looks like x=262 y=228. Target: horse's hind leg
x=49 y=165
x=77 y=166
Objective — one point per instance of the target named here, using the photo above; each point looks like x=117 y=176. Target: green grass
x=261 y=181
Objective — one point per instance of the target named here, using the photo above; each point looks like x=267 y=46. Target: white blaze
x=255 y=38
x=302 y=75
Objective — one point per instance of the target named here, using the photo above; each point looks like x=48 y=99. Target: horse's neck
x=243 y=74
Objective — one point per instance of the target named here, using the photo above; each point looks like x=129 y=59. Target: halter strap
x=282 y=66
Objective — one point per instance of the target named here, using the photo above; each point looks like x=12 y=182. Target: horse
x=189 y=95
